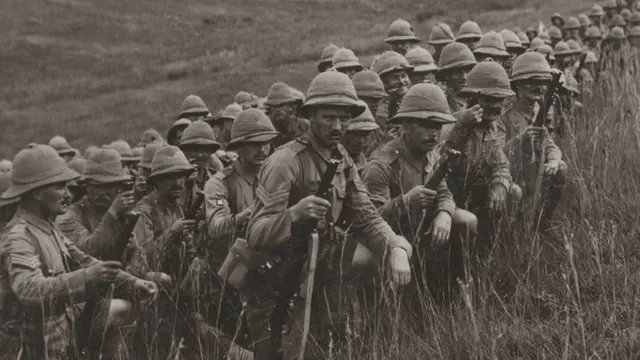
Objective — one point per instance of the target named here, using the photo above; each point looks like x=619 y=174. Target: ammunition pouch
x=241 y=262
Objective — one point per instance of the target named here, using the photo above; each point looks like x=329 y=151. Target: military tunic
x=42 y=273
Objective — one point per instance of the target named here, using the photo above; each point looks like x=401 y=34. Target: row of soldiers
x=233 y=216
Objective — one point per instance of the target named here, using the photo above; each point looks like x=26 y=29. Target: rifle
x=290 y=264
x=441 y=172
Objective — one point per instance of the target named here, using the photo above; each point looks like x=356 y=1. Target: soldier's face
x=396 y=82
x=281 y=114
x=423 y=137
x=254 y=154
x=491 y=107
x=171 y=187
x=329 y=123
x=595 y=20
x=592 y=42
x=532 y=90
x=574 y=34
x=354 y=141
x=401 y=47
x=101 y=195
x=564 y=61
x=471 y=43
x=372 y=103
x=198 y=155
x=557 y=22
x=457 y=78
x=350 y=71
x=54 y=199
x=422 y=77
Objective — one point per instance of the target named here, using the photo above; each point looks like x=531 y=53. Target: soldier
x=595 y=15
x=396 y=177
x=491 y=45
x=424 y=68
x=557 y=20
x=585 y=23
x=612 y=58
x=370 y=89
x=345 y=61
x=532 y=33
x=281 y=109
x=626 y=15
x=175 y=131
x=229 y=194
x=60 y=144
x=572 y=29
x=536 y=44
x=193 y=108
x=167 y=239
x=284 y=198
x=456 y=62
x=555 y=34
x=44 y=277
x=222 y=130
x=5 y=166
x=129 y=160
x=469 y=34
x=246 y=99
x=8 y=207
x=634 y=19
x=634 y=37
x=524 y=40
x=592 y=39
x=481 y=181
x=356 y=136
x=547 y=52
x=94 y=223
x=441 y=35
x=544 y=36
x=149 y=136
x=401 y=37
x=564 y=58
x=530 y=78
x=144 y=169
x=393 y=71
x=610 y=11
x=618 y=21
x=514 y=48
x=326 y=58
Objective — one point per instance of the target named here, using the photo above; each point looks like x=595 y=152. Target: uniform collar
x=427 y=160
x=244 y=173
x=34 y=220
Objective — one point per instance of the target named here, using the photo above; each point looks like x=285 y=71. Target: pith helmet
x=251 y=126
x=297 y=94
x=178 y=125
x=345 y=58
x=590 y=58
x=169 y=160
x=611 y=4
x=511 y=40
x=634 y=32
x=618 y=20
x=368 y=84
x=524 y=39
x=441 y=34
x=193 y=105
x=331 y=88
x=531 y=29
x=5 y=166
x=5 y=182
x=35 y=167
x=572 y=23
x=77 y=164
x=554 y=33
x=401 y=30
x=491 y=44
x=280 y=93
x=545 y=38
x=230 y=112
x=469 y=30
x=199 y=133
x=536 y=43
x=596 y=10
x=426 y=102
x=593 y=33
x=488 y=78
x=148 y=153
x=584 y=20
x=364 y=121
x=244 y=98
x=421 y=60
x=557 y=16
x=546 y=50
x=390 y=61
x=60 y=145
x=137 y=152
x=327 y=56
x=105 y=166
x=150 y=136
x=634 y=19
x=616 y=33
x=125 y=151
x=574 y=46
x=530 y=66
x=454 y=56
x=571 y=84
x=562 y=49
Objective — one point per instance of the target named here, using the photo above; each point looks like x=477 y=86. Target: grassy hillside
x=94 y=71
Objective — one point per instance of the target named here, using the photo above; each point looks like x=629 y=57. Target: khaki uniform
x=290 y=174
x=227 y=193
x=386 y=133
x=91 y=231
x=41 y=271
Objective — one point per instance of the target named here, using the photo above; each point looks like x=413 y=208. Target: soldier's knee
x=465 y=221
x=121 y=313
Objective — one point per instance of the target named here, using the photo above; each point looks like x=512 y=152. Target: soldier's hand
x=183 y=226
x=160 y=278
x=148 y=290
x=471 y=116
x=311 y=207
x=103 y=272
x=243 y=216
x=441 y=229
x=123 y=202
x=551 y=167
x=420 y=196
x=498 y=198
x=399 y=266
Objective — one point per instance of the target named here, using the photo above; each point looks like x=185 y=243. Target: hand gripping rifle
x=435 y=180
x=282 y=274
